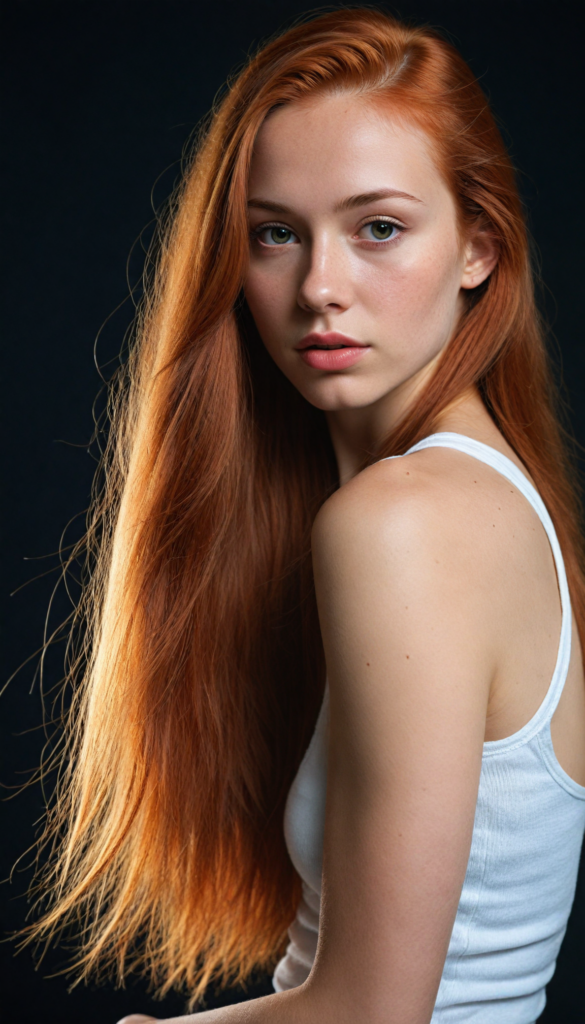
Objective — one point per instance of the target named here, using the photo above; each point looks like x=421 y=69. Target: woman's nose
x=326 y=286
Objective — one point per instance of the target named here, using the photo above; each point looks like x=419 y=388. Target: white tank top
x=524 y=858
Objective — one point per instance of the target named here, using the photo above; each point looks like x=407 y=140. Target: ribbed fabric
x=524 y=858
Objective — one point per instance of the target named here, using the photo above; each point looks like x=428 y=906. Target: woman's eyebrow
x=362 y=199
x=267 y=204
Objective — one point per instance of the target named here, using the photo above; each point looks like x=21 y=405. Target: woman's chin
x=337 y=395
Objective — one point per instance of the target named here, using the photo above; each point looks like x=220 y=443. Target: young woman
x=336 y=481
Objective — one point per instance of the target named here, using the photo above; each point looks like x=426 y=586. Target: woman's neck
x=357 y=432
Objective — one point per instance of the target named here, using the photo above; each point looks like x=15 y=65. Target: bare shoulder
x=432 y=497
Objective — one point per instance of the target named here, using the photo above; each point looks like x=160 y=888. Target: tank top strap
x=491 y=457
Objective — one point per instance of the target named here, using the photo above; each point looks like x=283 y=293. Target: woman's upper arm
x=409 y=665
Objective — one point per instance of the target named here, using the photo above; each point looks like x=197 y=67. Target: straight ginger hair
x=203 y=668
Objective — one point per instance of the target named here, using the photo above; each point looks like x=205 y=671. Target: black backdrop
x=101 y=97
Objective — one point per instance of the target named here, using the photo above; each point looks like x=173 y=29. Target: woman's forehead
x=339 y=145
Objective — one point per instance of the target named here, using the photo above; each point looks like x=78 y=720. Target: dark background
x=101 y=97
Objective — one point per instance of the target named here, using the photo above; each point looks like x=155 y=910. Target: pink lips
x=333 y=351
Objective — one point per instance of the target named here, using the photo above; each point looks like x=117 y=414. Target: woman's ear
x=481 y=256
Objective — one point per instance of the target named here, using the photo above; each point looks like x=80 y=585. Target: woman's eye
x=276 y=235
x=380 y=230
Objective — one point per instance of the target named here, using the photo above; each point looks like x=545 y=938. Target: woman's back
x=530 y=815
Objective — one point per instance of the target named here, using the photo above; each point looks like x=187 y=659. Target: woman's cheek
x=265 y=295
x=419 y=294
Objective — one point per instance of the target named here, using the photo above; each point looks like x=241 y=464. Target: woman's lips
x=332 y=358
x=330 y=351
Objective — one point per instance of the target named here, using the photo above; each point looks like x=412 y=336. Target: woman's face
x=354 y=243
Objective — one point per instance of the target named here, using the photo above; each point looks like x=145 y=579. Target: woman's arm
x=405 y=575
x=403 y=569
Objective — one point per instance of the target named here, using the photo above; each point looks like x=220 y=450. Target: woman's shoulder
x=428 y=538
x=435 y=497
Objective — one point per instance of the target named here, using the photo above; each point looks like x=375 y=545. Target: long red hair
x=202 y=669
